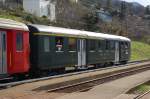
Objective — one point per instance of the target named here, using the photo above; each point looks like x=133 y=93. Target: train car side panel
x=51 y=52
x=92 y=52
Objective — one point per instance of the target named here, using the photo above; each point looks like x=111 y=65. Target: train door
x=81 y=52
x=3 y=53
x=19 y=51
x=116 y=52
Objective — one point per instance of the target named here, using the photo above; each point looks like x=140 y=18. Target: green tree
x=147 y=10
x=98 y=6
x=90 y=21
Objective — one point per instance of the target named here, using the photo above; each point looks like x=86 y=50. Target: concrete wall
x=44 y=8
x=32 y=6
x=39 y=8
x=52 y=11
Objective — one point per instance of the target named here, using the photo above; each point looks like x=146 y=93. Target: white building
x=40 y=8
x=75 y=1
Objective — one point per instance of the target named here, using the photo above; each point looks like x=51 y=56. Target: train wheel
x=35 y=74
x=19 y=77
x=123 y=62
x=111 y=63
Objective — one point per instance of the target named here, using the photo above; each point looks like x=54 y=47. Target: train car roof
x=11 y=24
x=50 y=30
x=107 y=36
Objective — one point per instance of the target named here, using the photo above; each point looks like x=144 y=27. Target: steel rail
x=142 y=95
x=101 y=79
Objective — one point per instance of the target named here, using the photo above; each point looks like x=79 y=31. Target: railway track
x=11 y=84
x=88 y=84
x=142 y=95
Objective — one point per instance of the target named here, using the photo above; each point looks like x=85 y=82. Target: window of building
x=19 y=41
x=72 y=44
x=46 y=44
x=92 y=45
x=59 y=42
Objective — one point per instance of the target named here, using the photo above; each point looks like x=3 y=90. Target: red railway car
x=14 y=48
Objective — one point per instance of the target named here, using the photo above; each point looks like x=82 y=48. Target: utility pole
x=123 y=16
x=108 y=4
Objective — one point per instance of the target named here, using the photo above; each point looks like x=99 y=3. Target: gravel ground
x=28 y=91
x=111 y=90
x=146 y=96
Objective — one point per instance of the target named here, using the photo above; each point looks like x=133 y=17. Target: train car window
x=46 y=44
x=107 y=45
x=72 y=44
x=4 y=43
x=19 y=41
x=122 y=44
x=59 y=42
x=112 y=45
x=92 y=45
x=100 y=45
x=126 y=45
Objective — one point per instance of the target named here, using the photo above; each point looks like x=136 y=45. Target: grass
x=22 y=16
x=11 y=17
x=140 y=89
x=140 y=51
x=143 y=88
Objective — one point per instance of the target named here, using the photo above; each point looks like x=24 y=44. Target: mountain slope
x=134 y=7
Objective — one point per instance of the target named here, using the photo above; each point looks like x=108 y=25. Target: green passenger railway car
x=54 y=48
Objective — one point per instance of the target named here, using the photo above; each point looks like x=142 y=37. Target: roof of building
x=11 y=24
x=50 y=30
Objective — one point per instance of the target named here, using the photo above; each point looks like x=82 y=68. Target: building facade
x=52 y=9
x=40 y=8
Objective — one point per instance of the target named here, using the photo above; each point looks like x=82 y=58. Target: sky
x=143 y=2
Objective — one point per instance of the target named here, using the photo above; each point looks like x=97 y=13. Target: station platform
x=146 y=96
x=112 y=90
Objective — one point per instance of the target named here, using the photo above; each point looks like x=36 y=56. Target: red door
x=20 y=52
